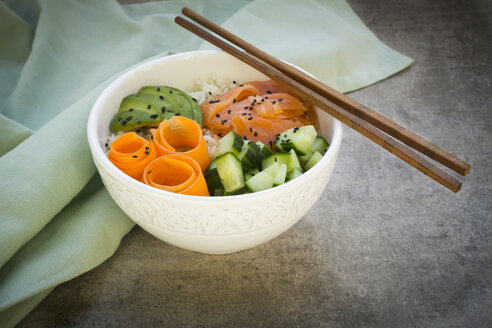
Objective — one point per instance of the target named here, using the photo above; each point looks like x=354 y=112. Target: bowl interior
x=180 y=71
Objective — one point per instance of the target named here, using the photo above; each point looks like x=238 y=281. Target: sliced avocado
x=141 y=110
x=186 y=105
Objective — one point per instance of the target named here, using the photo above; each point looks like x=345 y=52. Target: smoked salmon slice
x=257 y=111
x=176 y=173
x=184 y=136
x=131 y=154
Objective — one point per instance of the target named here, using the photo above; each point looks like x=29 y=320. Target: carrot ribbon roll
x=176 y=173
x=184 y=136
x=131 y=154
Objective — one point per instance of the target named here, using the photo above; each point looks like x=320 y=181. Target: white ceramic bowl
x=214 y=225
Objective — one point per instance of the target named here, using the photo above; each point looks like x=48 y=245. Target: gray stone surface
x=384 y=246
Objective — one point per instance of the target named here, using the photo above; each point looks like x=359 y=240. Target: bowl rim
x=102 y=159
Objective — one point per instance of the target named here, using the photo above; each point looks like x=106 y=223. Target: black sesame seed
x=288 y=140
x=106 y=144
x=269 y=92
x=305 y=113
x=123 y=122
x=219 y=134
x=270 y=143
x=153 y=116
x=134 y=156
x=280 y=99
x=163 y=109
x=246 y=107
x=250 y=129
x=245 y=138
x=149 y=172
x=152 y=137
x=170 y=91
x=147 y=153
x=275 y=159
x=213 y=101
x=194 y=100
x=210 y=93
x=234 y=100
x=249 y=119
x=295 y=129
x=217 y=115
x=266 y=97
x=229 y=111
x=146 y=148
x=138 y=131
x=241 y=85
x=250 y=108
x=256 y=134
x=273 y=102
x=234 y=82
x=285 y=136
x=158 y=89
x=129 y=118
x=161 y=97
x=130 y=110
x=148 y=106
x=244 y=114
x=223 y=121
x=177 y=114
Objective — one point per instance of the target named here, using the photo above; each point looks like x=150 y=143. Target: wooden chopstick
x=331 y=108
x=383 y=123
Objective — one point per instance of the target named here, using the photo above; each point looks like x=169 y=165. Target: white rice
x=203 y=89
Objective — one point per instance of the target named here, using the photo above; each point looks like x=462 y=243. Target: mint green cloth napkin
x=56 y=219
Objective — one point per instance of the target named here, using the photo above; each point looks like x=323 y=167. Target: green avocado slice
x=141 y=110
x=188 y=107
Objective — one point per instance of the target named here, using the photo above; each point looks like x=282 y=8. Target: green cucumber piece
x=290 y=159
x=213 y=180
x=294 y=174
x=319 y=145
x=300 y=139
x=281 y=175
x=251 y=173
x=263 y=180
x=230 y=172
x=248 y=155
x=263 y=153
x=315 y=158
x=230 y=143
x=281 y=158
x=293 y=162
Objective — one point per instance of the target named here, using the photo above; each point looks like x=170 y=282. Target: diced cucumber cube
x=213 y=180
x=281 y=158
x=293 y=161
x=230 y=143
x=281 y=175
x=248 y=155
x=300 y=139
x=264 y=179
x=230 y=172
x=315 y=158
x=319 y=145
x=250 y=174
x=294 y=174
